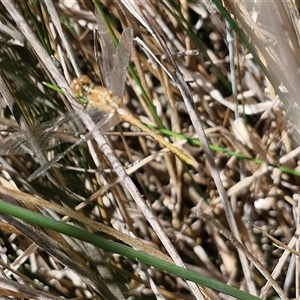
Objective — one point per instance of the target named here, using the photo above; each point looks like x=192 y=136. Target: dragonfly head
x=81 y=86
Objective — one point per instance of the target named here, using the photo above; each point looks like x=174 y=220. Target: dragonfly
x=106 y=108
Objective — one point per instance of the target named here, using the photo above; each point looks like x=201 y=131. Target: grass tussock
x=220 y=83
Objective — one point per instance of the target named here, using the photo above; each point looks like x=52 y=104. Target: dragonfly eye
x=81 y=85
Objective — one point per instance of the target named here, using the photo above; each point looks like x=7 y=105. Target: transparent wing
x=108 y=48
x=121 y=60
x=50 y=134
x=15 y=143
x=115 y=60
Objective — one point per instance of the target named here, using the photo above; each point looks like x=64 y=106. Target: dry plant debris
x=249 y=113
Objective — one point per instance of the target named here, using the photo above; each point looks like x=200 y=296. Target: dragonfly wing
x=120 y=63
x=115 y=60
x=58 y=130
x=108 y=48
x=14 y=144
x=17 y=143
x=66 y=128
